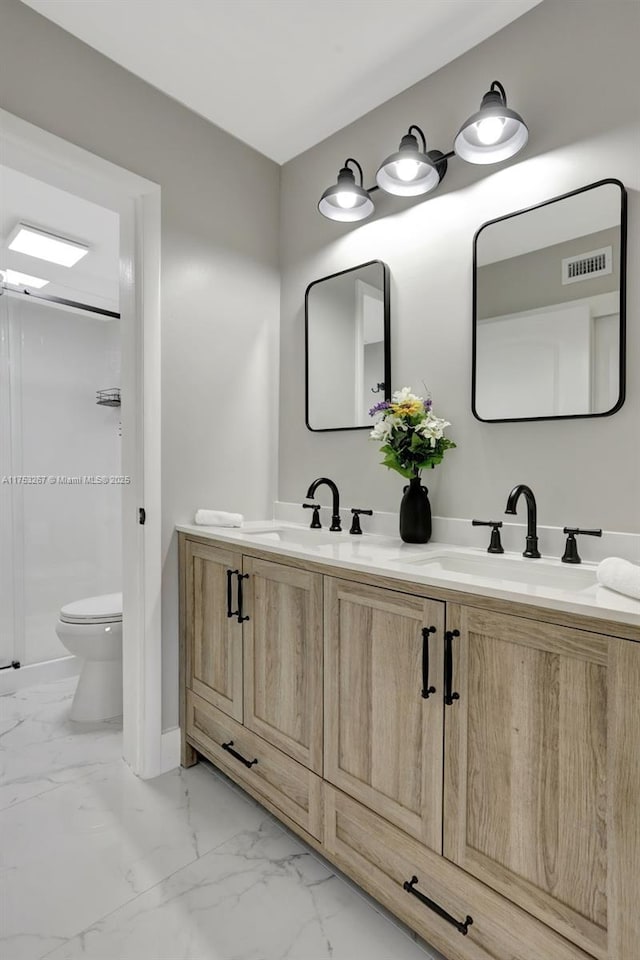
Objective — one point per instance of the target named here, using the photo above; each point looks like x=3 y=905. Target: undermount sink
x=528 y=573
x=455 y=566
x=293 y=536
x=337 y=545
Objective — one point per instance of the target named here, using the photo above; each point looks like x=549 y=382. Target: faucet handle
x=315 y=520
x=571 y=554
x=495 y=544
x=355 y=523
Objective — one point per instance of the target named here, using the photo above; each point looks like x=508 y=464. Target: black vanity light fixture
x=491 y=135
x=345 y=200
x=494 y=133
x=411 y=171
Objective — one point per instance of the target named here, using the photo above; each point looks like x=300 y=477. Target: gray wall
x=220 y=291
x=572 y=70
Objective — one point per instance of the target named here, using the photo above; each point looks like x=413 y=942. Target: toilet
x=91 y=629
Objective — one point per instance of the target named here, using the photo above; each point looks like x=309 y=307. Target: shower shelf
x=109 y=397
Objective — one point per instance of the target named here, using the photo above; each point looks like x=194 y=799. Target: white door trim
x=137 y=201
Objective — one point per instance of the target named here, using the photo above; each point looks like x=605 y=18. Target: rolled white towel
x=218 y=518
x=620 y=575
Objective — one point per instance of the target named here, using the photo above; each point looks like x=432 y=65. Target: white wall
x=572 y=71
x=220 y=283
x=64 y=539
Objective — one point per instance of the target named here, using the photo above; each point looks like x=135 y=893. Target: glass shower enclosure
x=60 y=509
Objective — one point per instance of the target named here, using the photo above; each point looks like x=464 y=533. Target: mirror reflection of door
x=347 y=347
x=369 y=349
x=549 y=285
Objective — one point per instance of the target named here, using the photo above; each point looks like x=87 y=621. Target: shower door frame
x=136 y=200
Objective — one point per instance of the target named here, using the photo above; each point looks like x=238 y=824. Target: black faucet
x=532 y=517
x=335 y=510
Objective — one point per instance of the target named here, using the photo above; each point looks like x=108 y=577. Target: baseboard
x=170 y=750
x=33 y=674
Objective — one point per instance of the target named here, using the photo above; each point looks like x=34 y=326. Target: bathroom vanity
x=466 y=752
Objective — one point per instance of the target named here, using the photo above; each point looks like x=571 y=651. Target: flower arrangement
x=412 y=436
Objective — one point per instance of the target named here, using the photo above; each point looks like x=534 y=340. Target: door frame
x=136 y=200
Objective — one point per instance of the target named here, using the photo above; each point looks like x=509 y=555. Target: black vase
x=415 y=513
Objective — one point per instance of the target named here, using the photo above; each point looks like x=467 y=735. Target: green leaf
x=392 y=463
x=407 y=452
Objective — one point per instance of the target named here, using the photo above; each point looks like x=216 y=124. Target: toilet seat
x=103 y=609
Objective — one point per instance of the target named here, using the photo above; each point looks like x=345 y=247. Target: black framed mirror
x=549 y=308
x=347 y=347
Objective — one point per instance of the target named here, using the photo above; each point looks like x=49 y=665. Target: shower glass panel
x=61 y=521
x=11 y=641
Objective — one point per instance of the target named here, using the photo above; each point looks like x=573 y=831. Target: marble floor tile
x=87 y=847
x=40 y=747
x=97 y=864
x=259 y=896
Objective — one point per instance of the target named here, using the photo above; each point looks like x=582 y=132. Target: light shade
x=16 y=279
x=345 y=200
x=410 y=171
x=494 y=133
x=47 y=246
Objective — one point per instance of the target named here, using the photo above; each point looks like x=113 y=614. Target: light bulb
x=346 y=199
x=407 y=169
x=490 y=130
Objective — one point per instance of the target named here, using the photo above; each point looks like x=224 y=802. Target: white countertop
x=468 y=570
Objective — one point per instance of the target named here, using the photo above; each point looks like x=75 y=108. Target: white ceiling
x=578 y=216
x=282 y=74
x=94 y=279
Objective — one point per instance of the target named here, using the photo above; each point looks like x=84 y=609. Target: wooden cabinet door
x=383 y=739
x=531 y=808
x=214 y=640
x=283 y=658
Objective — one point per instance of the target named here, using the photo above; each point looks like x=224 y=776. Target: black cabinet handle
x=241 y=577
x=230 y=575
x=234 y=753
x=426 y=689
x=462 y=926
x=449 y=697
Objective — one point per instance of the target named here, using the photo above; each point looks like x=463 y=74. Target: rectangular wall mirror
x=347 y=347
x=549 y=308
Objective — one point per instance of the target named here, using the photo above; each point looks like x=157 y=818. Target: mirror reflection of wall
x=549 y=310
x=347 y=324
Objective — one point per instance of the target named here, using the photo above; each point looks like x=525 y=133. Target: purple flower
x=383 y=405
x=428 y=404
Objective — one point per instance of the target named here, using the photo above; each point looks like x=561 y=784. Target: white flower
x=404 y=396
x=383 y=428
x=432 y=428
